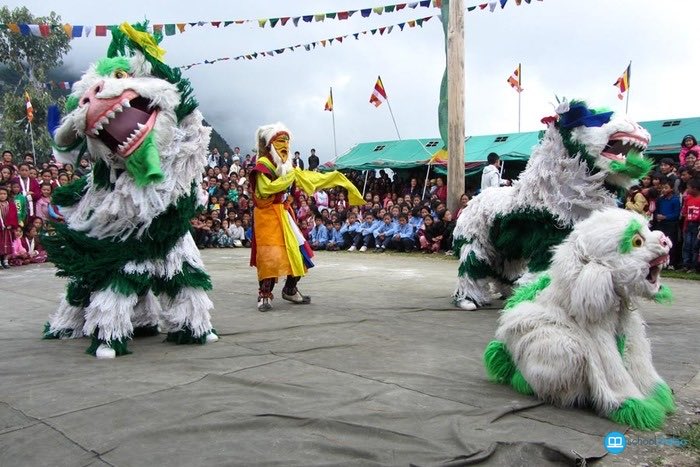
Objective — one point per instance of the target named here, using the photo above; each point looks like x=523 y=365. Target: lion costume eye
x=121 y=74
x=637 y=241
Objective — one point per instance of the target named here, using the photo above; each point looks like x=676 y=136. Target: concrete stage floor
x=379 y=370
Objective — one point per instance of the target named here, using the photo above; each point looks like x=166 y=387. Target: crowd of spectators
x=399 y=213
x=670 y=199
x=25 y=205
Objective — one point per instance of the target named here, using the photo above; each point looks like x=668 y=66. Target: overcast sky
x=573 y=48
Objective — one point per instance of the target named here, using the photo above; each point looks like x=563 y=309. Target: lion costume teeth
x=125 y=247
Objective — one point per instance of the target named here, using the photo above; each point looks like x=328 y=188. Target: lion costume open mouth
x=121 y=123
x=621 y=143
x=655 y=267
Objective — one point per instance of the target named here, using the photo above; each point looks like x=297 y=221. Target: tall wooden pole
x=455 y=108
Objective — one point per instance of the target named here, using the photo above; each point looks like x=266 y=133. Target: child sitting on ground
x=384 y=233
x=319 y=234
x=31 y=243
x=20 y=255
x=237 y=233
x=403 y=238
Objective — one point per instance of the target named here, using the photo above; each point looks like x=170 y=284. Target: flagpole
x=520 y=91
x=31 y=135
x=335 y=144
x=392 y=118
x=629 y=86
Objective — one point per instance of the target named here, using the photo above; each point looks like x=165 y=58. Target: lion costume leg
x=186 y=318
x=146 y=315
x=108 y=321
x=184 y=301
x=636 y=352
x=613 y=390
x=66 y=322
x=473 y=284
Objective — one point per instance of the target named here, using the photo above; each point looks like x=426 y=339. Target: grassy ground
x=691 y=276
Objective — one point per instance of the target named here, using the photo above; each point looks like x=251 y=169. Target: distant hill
x=218 y=141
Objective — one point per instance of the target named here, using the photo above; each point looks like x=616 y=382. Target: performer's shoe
x=264 y=304
x=297 y=298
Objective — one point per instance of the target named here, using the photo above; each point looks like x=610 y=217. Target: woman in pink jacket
x=689 y=143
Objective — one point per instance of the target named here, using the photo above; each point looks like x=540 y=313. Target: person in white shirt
x=491 y=177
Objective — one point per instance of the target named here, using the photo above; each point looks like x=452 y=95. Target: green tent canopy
x=666 y=138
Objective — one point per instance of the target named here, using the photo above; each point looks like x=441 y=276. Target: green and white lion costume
x=574 y=337
x=125 y=247
x=505 y=234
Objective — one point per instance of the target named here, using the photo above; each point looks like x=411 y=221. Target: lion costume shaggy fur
x=573 y=338
x=125 y=247
x=584 y=157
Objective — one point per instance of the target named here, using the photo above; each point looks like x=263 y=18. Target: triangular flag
x=425 y=3
x=307 y=18
x=378 y=93
x=471 y=8
x=330 y=41
x=181 y=27
x=342 y=15
x=284 y=20
x=87 y=30
x=216 y=24
x=329 y=102
x=389 y=8
x=503 y=4
x=373 y=31
x=323 y=42
x=389 y=29
x=352 y=12
x=492 y=6
x=366 y=12
x=307 y=47
x=330 y=15
x=411 y=24
x=273 y=22
x=381 y=30
x=226 y=23
x=339 y=39
x=295 y=20
x=262 y=22
x=357 y=36
x=379 y=10
x=400 y=6
x=483 y=5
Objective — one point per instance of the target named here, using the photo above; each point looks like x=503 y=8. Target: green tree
x=28 y=58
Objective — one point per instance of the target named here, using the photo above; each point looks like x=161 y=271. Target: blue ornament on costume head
x=578 y=114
